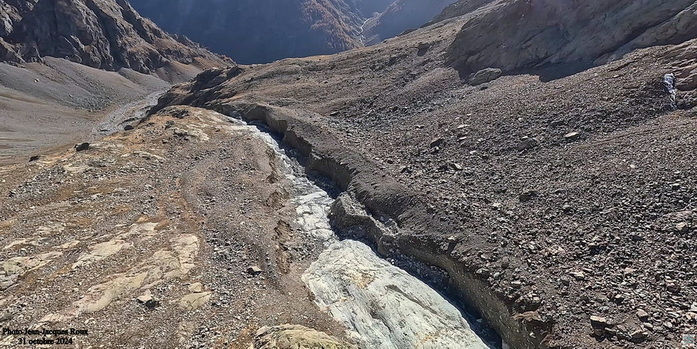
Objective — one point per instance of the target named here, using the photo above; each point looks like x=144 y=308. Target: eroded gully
x=381 y=305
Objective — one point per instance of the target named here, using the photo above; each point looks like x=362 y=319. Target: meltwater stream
x=381 y=305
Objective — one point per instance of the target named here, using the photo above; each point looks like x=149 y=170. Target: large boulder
x=484 y=76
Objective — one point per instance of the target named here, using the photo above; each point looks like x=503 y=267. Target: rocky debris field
x=565 y=200
x=178 y=233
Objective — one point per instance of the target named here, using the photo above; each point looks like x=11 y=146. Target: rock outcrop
x=105 y=34
x=539 y=32
x=374 y=298
x=296 y=337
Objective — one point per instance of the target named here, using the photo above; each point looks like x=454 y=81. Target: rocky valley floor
x=176 y=234
x=557 y=202
x=564 y=198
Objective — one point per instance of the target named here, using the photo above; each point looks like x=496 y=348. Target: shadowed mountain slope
x=104 y=34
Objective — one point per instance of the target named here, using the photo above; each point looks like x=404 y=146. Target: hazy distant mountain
x=401 y=15
x=257 y=31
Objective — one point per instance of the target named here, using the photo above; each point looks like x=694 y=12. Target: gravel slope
x=570 y=196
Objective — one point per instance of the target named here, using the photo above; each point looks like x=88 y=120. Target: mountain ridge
x=98 y=33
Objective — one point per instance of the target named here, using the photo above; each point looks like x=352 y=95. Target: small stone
x=638 y=336
x=436 y=142
x=682 y=227
x=527 y=195
x=254 y=270
x=642 y=314
x=148 y=300
x=527 y=143
x=82 y=146
x=673 y=287
x=128 y=128
x=505 y=263
x=334 y=113
x=6 y=316
x=196 y=287
x=34 y=158
x=456 y=167
x=578 y=275
x=599 y=322
x=572 y=136
x=516 y=284
x=194 y=301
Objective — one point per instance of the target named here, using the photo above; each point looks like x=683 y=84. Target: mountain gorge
x=508 y=174
x=263 y=31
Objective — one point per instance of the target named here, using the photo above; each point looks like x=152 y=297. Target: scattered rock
x=34 y=158
x=254 y=270
x=6 y=316
x=642 y=314
x=194 y=301
x=682 y=227
x=638 y=336
x=527 y=143
x=196 y=287
x=128 y=127
x=600 y=326
x=436 y=142
x=148 y=300
x=82 y=146
x=572 y=136
x=484 y=76
x=673 y=287
x=527 y=195
x=578 y=275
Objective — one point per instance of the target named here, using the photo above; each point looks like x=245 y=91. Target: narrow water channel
x=381 y=305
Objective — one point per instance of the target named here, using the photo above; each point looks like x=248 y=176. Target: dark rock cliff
x=105 y=34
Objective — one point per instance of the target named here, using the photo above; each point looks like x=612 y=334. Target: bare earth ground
x=58 y=102
x=571 y=196
x=175 y=212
